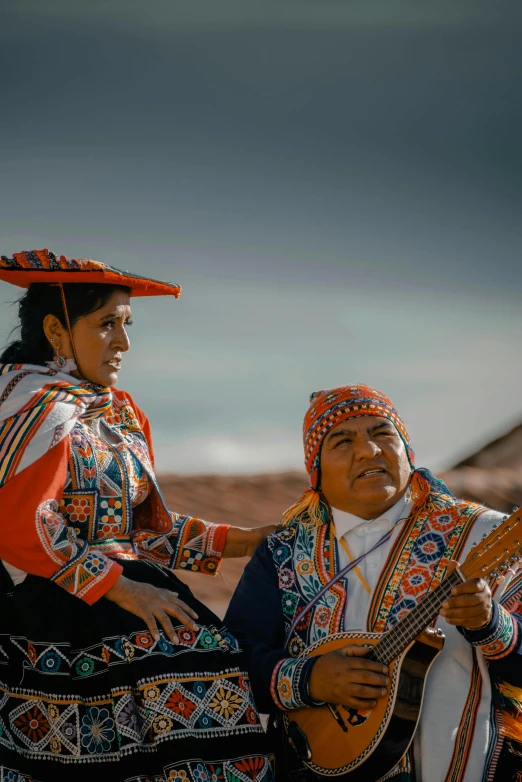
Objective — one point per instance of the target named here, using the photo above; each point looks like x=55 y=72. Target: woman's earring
x=60 y=361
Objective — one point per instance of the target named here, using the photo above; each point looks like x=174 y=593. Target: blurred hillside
x=492 y=476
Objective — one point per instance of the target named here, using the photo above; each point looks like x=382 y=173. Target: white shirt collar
x=345 y=522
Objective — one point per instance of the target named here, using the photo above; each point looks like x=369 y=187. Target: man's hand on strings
x=470 y=604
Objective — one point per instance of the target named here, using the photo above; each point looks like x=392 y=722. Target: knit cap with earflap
x=327 y=410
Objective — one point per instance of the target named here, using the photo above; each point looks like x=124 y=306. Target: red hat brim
x=27 y=268
x=139 y=286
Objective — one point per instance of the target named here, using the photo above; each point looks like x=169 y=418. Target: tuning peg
x=514 y=509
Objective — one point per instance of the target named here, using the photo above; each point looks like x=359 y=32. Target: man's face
x=364 y=466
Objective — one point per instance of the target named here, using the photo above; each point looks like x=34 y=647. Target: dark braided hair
x=43 y=299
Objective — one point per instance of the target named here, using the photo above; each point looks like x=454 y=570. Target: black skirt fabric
x=509 y=768
x=87 y=694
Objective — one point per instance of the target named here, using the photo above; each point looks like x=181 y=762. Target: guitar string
x=425 y=610
x=390 y=647
x=416 y=620
x=413 y=623
x=388 y=643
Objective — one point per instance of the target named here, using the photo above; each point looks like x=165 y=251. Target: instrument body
x=371 y=748
x=342 y=743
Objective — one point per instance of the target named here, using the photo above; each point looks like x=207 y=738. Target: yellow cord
x=356 y=568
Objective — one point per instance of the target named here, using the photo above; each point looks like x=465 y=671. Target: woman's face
x=100 y=339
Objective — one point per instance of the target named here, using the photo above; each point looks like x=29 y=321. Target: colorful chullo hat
x=26 y=268
x=328 y=409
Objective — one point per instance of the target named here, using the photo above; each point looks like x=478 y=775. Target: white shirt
x=17 y=575
x=360 y=535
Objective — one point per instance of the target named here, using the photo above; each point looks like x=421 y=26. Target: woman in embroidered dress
x=108 y=664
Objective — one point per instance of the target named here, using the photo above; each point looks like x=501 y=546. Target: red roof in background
x=493 y=474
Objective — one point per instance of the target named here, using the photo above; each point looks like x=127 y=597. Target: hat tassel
x=307 y=510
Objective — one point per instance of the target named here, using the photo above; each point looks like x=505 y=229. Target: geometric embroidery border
x=246 y=768
x=129 y=720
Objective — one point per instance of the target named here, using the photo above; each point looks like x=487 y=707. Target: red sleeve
x=191 y=544
x=34 y=536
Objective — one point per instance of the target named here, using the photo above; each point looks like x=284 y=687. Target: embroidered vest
x=306 y=558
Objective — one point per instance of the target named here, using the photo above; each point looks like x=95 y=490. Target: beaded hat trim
x=26 y=268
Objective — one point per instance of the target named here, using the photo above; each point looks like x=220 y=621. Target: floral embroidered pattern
x=285 y=687
x=60 y=658
x=97 y=731
x=226 y=703
x=245 y=769
x=11 y=775
x=33 y=724
x=181 y=705
x=163 y=708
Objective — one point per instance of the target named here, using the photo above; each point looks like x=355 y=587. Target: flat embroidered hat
x=26 y=268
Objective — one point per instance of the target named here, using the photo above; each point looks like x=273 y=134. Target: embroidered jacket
x=297 y=560
x=73 y=501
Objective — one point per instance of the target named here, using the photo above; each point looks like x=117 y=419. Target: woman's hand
x=153 y=605
x=345 y=677
x=243 y=542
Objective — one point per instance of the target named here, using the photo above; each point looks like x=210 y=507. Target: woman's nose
x=121 y=340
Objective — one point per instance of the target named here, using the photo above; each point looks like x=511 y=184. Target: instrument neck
x=396 y=640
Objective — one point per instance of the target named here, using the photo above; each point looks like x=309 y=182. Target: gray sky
x=337 y=186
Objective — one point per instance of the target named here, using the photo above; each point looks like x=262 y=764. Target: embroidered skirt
x=86 y=693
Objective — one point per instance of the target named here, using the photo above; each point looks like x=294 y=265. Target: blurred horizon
x=337 y=187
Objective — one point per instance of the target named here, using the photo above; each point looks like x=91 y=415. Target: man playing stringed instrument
x=393 y=532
